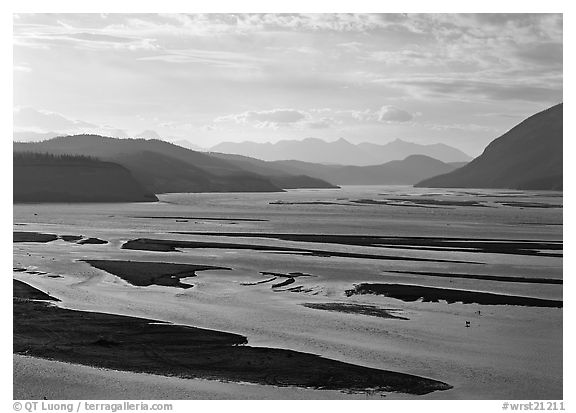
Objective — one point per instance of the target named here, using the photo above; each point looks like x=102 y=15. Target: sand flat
x=507 y=353
x=36 y=378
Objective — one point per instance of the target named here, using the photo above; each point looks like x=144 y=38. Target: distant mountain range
x=162 y=167
x=528 y=156
x=48 y=178
x=185 y=144
x=340 y=152
x=405 y=172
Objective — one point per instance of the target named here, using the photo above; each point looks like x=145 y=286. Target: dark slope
x=164 y=174
x=405 y=172
x=160 y=166
x=277 y=176
x=45 y=178
x=529 y=156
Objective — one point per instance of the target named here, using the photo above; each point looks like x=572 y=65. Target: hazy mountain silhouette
x=339 y=152
x=399 y=149
x=528 y=156
x=309 y=150
x=48 y=178
x=405 y=172
x=276 y=174
x=158 y=165
x=185 y=144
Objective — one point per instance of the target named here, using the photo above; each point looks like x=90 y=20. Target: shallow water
x=508 y=352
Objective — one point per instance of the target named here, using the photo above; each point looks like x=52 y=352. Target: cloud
x=267 y=118
x=80 y=31
x=42 y=120
x=386 y=114
x=82 y=40
x=321 y=118
x=545 y=54
x=546 y=90
x=187 y=69
x=276 y=116
x=393 y=114
x=218 y=58
x=469 y=127
x=324 y=123
x=351 y=46
x=245 y=23
x=30 y=120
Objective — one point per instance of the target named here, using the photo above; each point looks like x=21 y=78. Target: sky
x=459 y=79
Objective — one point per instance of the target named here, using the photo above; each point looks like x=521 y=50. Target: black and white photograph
x=287 y=206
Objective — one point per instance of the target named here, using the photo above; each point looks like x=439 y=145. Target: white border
x=116 y=6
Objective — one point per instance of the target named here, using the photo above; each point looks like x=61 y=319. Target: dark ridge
x=147 y=244
x=408 y=293
x=501 y=278
x=483 y=245
x=21 y=236
x=143 y=274
x=537 y=223
x=528 y=156
x=44 y=177
x=390 y=203
x=363 y=309
x=284 y=283
x=519 y=204
x=23 y=291
x=288 y=275
x=71 y=238
x=206 y=218
x=439 y=202
x=92 y=241
x=148 y=346
x=300 y=289
x=260 y=282
x=306 y=203
x=518 y=251
x=158 y=166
